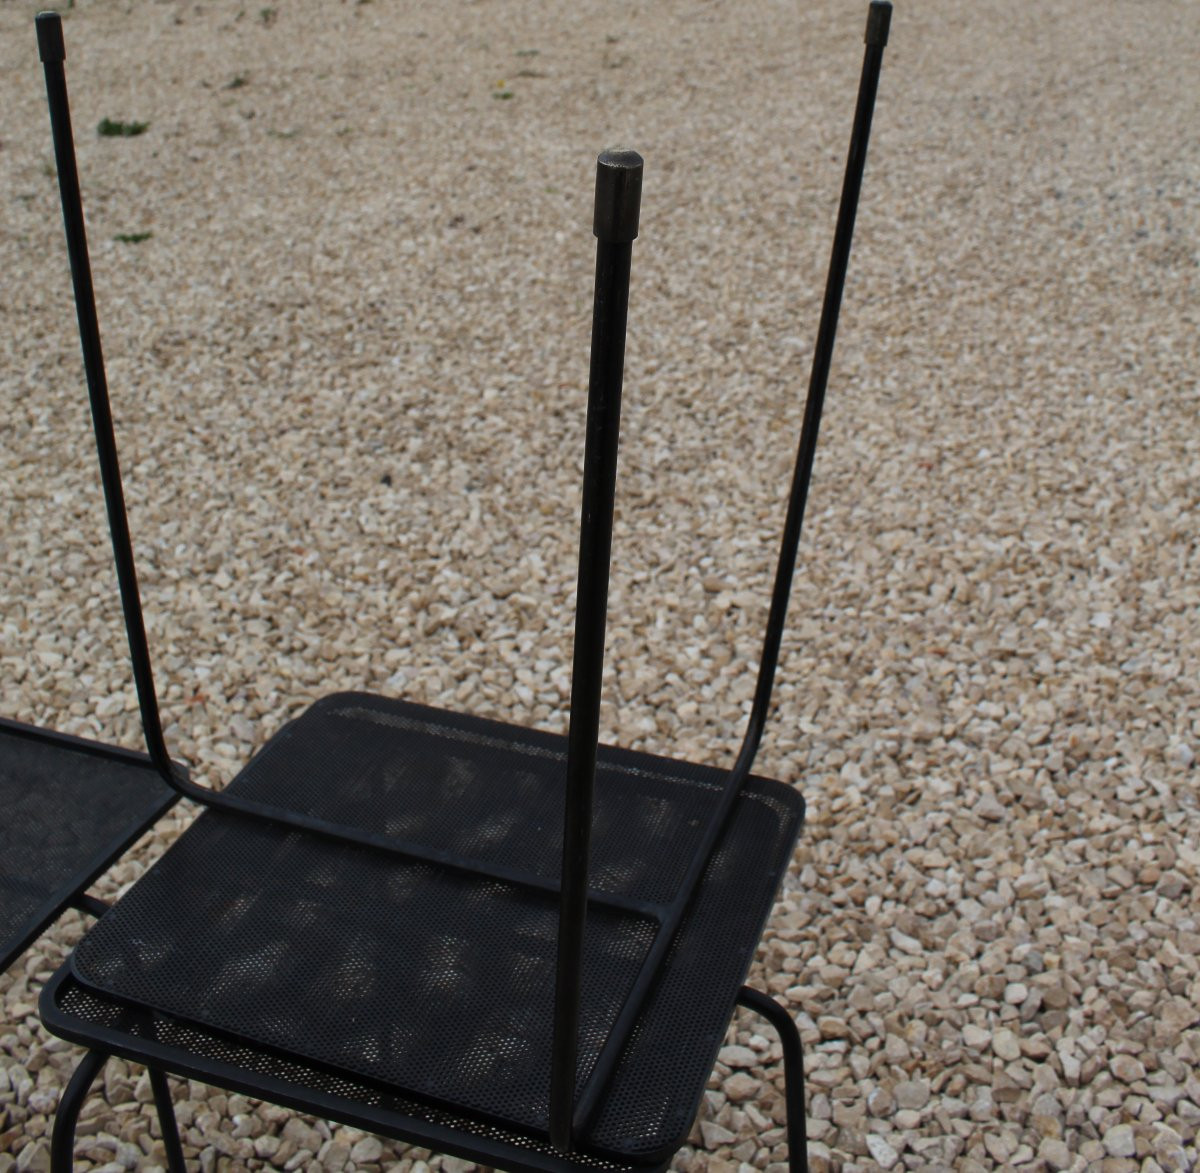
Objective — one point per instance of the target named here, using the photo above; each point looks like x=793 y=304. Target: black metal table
x=68 y=808
x=435 y=980
x=517 y=946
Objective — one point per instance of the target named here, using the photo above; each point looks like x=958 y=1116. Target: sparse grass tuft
x=112 y=128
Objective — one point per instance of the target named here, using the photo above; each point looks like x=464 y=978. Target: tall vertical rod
x=878 y=20
x=53 y=54
x=618 y=201
x=50 y=44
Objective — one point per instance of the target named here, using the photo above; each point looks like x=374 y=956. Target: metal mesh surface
x=92 y=1019
x=67 y=809
x=655 y=1092
x=488 y=792
x=429 y=980
x=403 y=973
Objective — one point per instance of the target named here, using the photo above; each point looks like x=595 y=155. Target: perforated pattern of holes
x=486 y=791
x=437 y=983
x=65 y=810
x=186 y=1043
x=403 y=973
x=646 y=1112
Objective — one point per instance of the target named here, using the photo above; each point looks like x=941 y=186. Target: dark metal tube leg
x=793 y=1072
x=51 y=48
x=166 y=1119
x=618 y=199
x=878 y=20
x=62 y=1143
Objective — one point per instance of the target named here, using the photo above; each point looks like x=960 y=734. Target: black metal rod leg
x=53 y=54
x=615 y=224
x=793 y=1072
x=166 y=1119
x=878 y=19
x=62 y=1143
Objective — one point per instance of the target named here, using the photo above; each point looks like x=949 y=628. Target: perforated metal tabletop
x=68 y=808
x=436 y=980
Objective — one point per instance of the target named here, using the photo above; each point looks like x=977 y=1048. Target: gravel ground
x=348 y=362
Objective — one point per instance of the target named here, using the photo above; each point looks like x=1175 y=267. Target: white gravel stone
x=1127 y=1069
x=1055 y=1153
x=1006 y=1045
x=740 y=1086
x=736 y=1056
x=883 y=1154
x=715 y=1135
x=369 y=1149
x=1119 y=1141
x=912 y=1094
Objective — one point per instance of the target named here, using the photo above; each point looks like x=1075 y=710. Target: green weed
x=112 y=128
